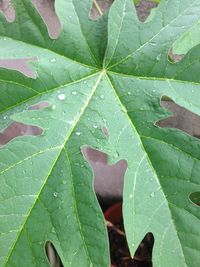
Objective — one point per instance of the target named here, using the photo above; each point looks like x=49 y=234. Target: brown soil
x=120 y=256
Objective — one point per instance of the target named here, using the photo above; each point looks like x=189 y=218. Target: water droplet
x=131 y=196
x=53 y=107
x=102 y=96
x=70 y=122
x=78 y=133
x=53 y=60
x=4 y=38
x=116 y=155
x=55 y=194
x=84 y=82
x=95 y=126
x=64 y=112
x=133 y=244
x=158 y=57
x=61 y=97
x=152 y=194
x=129 y=93
x=64 y=181
x=153 y=44
x=74 y=93
x=5 y=117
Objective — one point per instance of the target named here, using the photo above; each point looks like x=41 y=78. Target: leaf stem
x=97 y=7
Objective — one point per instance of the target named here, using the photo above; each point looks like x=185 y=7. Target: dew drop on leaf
x=158 y=58
x=53 y=230
x=5 y=117
x=131 y=196
x=61 y=97
x=78 y=133
x=74 y=93
x=129 y=93
x=152 y=194
x=53 y=107
x=116 y=155
x=55 y=194
x=95 y=126
x=102 y=96
x=53 y=60
x=153 y=44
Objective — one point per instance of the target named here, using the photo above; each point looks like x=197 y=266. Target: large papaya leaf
x=188 y=40
x=60 y=87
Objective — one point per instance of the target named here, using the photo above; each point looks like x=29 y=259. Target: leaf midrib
x=59 y=153
x=151 y=77
x=151 y=39
x=45 y=92
x=151 y=165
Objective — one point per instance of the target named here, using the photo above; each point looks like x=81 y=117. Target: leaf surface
x=187 y=40
x=46 y=191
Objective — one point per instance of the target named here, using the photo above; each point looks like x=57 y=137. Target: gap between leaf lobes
x=21 y=65
x=105 y=176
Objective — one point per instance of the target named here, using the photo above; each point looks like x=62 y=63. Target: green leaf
x=46 y=191
x=188 y=40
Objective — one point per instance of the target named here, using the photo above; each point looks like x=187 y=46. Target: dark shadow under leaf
x=8 y=10
x=108 y=179
x=182 y=119
x=17 y=129
x=21 y=65
x=46 y=10
x=195 y=198
x=52 y=255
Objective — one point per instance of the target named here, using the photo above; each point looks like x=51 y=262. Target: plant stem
x=98 y=7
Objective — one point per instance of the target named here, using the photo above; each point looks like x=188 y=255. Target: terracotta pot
x=114 y=213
